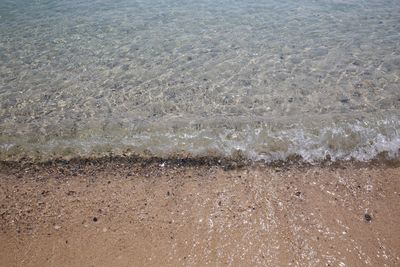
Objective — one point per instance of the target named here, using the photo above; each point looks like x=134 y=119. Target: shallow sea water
x=263 y=80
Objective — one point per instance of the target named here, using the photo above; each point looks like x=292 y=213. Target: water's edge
x=331 y=138
x=75 y=165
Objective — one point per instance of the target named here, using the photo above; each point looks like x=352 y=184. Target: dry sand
x=122 y=213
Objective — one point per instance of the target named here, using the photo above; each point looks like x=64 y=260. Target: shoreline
x=239 y=161
x=172 y=213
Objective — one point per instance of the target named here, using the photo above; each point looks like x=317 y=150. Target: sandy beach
x=131 y=213
x=200 y=133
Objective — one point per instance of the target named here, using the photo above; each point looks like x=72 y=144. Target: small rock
x=298 y=193
x=71 y=193
x=57 y=227
x=367 y=217
x=95 y=219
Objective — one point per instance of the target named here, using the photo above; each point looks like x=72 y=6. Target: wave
x=311 y=140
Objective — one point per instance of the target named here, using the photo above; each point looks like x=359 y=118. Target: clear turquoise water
x=262 y=79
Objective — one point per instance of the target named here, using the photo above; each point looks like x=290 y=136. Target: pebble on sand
x=367 y=217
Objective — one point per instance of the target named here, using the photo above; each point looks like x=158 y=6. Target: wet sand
x=122 y=213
